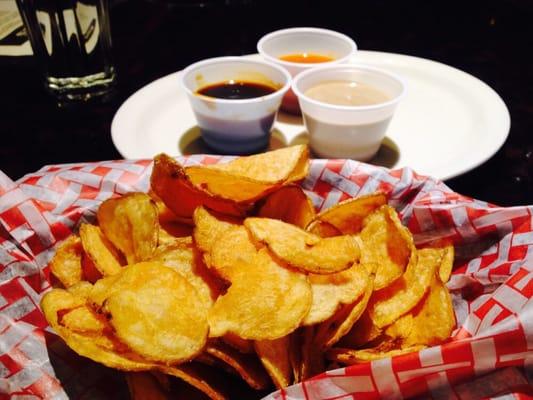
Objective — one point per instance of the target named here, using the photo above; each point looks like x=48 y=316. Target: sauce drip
x=236 y=90
x=306 y=58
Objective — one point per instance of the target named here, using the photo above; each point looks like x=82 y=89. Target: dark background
x=492 y=40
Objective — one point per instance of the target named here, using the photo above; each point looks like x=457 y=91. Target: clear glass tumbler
x=72 y=42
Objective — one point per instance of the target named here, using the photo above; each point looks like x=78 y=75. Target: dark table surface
x=492 y=40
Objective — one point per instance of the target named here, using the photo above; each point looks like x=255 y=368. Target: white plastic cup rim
x=327 y=32
x=221 y=60
x=315 y=71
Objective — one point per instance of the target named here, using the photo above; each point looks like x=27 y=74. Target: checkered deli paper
x=490 y=354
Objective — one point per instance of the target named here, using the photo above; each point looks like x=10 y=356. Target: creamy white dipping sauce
x=346 y=93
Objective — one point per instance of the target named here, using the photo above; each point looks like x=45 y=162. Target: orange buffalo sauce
x=306 y=58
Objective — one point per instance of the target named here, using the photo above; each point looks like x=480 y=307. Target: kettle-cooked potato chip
x=303 y=250
x=100 y=250
x=390 y=303
x=257 y=307
x=209 y=227
x=81 y=289
x=333 y=290
x=162 y=318
x=284 y=165
x=170 y=182
x=347 y=217
x=66 y=263
x=350 y=356
x=387 y=243
x=274 y=354
x=446 y=265
x=185 y=259
x=130 y=223
x=322 y=229
x=201 y=377
x=289 y=204
x=83 y=320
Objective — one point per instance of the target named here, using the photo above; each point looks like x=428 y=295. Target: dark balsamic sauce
x=236 y=90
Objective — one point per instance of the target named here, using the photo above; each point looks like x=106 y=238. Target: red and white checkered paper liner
x=489 y=355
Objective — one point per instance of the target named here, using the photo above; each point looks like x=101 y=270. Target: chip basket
x=489 y=355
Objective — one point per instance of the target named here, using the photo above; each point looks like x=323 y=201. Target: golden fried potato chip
x=162 y=317
x=246 y=365
x=303 y=250
x=144 y=386
x=434 y=322
x=390 y=303
x=446 y=265
x=83 y=320
x=333 y=290
x=130 y=223
x=202 y=377
x=238 y=343
x=332 y=330
x=274 y=354
x=170 y=182
x=322 y=229
x=232 y=253
x=185 y=259
x=257 y=307
x=66 y=263
x=387 y=243
x=351 y=357
x=209 y=227
x=101 y=251
x=58 y=300
x=289 y=204
x=362 y=332
x=284 y=165
x=347 y=216
x=101 y=289
x=81 y=289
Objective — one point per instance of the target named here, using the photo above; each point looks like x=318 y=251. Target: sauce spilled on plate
x=236 y=90
x=346 y=93
x=306 y=58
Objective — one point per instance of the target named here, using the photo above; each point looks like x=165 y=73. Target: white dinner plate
x=449 y=122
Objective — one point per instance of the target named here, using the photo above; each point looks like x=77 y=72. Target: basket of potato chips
x=269 y=276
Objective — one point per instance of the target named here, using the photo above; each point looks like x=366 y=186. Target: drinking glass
x=71 y=40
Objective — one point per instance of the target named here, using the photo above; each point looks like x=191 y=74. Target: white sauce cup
x=304 y=40
x=235 y=126
x=339 y=131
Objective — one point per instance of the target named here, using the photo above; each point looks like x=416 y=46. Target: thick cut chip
x=347 y=217
x=101 y=289
x=243 y=345
x=66 y=264
x=322 y=229
x=267 y=301
x=386 y=243
x=83 y=320
x=185 y=259
x=58 y=300
x=210 y=227
x=446 y=265
x=130 y=223
x=161 y=317
x=303 y=250
x=362 y=332
x=390 y=303
x=232 y=253
x=284 y=165
x=332 y=330
x=333 y=290
x=170 y=182
x=246 y=365
x=100 y=250
x=144 y=386
x=274 y=354
x=289 y=204
x=435 y=320
x=81 y=289
x=350 y=356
